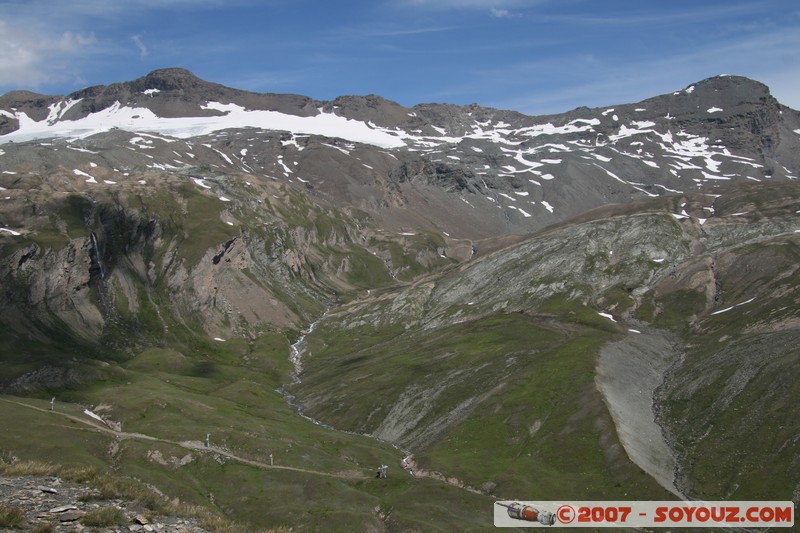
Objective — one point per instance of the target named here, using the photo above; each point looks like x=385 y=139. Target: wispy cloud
x=501 y=13
x=496 y=9
x=698 y=14
x=137 y=40
x=597 y=81
x=486 y=5
x=407 y=31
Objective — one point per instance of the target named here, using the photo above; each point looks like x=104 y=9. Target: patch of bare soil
x=628 y=373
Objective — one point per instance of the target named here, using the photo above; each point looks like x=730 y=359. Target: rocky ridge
x=490 y=172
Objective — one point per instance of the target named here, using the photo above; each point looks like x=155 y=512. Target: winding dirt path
x=189 y=445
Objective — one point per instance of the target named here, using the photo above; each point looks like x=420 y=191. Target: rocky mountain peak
x=173 y=75
x=746 y=87
x=171 y=83
x=177 y=80
x=720 y=95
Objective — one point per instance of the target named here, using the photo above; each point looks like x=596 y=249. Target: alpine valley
x=243 y=304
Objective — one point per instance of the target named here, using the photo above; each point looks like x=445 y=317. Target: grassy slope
x=158 y=394
x=731 y=404
x=503 y=398
x=177 y=386
x=536 y=426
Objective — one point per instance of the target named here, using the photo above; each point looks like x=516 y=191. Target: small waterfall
x=296 y=351
x=98 y=256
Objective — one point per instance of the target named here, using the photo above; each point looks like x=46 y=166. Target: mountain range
x=600 y=304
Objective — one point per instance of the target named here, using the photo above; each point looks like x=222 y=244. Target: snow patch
x=233 y=116
x=224 y=156
x=732 y=307
x=625 y=131
x=608 y=316
x=89 y=178
x=286 y=169
x=201 y=182
x=93 y=415
x=550 y=129
x=345 y=152
x=504 y=195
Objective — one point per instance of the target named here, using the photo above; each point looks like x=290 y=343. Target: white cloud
x=137 y=39
x=106 y=8
x=29 y=58
x=51 y=41
x=500 y=13
x=70 y=42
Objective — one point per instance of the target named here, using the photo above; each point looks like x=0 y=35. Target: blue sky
x=535 y=56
